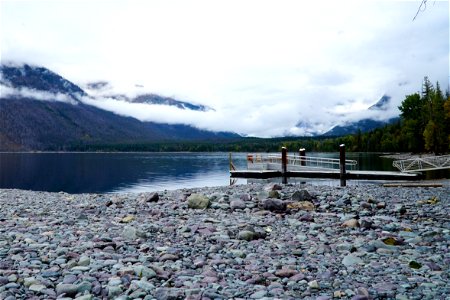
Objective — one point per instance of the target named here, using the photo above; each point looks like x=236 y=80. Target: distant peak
x=97 y=85
x=161 y=100
x=26 y=76
x=382 y=104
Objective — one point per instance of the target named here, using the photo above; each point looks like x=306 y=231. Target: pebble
x=227 y=243
x=314 y=284
x=350 y=260
x=258 y=294
x=66 y=289
x=84 y=261
x=285 y=273
x=351 y=223
x=237 y=204
x=37 y=287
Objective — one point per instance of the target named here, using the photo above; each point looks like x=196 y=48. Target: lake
x=139 y=172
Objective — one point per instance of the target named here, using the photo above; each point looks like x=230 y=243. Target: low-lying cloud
x=10 y=92
x=263 y=120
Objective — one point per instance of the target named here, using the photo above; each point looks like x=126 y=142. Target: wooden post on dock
x=302 y=159
x=342 y=165
x=284 y=164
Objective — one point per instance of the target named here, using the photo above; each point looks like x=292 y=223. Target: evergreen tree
x=412 y=109
x=434 y=132
x=447 y=119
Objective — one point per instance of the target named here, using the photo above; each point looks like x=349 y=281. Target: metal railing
x=309 y=162
x=427 y=163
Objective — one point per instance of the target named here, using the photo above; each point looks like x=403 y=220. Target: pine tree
x=434 y=131
x=412 y=109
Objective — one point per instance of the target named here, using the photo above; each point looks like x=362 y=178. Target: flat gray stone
x=350 y=260
x=66 y=289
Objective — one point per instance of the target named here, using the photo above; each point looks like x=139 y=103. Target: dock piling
x=302 y=152
x=284 y=164
x=342 y=165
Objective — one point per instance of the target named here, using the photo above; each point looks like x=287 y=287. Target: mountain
x=382 y=104
x=156 y=99
x=38 y=79
x=366 y=124
x=40 y=110
x=151 y=99
x=308 y=128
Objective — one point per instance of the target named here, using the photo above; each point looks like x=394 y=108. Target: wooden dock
x=330 y=174
x=287 y=166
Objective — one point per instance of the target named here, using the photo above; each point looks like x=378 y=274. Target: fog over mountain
x=258 y=68
x=40 y=110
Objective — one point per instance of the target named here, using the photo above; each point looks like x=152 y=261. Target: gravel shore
x=254 y=241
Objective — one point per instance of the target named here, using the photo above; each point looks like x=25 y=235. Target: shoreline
x=314 y=242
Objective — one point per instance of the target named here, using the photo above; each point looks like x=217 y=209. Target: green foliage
x=411 y=107
x=447 y=118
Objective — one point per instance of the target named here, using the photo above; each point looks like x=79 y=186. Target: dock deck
x=261 y=166
x=330 y=174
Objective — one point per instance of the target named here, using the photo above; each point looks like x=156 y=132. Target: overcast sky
x=264 y=66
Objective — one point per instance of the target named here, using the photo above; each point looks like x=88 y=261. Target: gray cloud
x=264 y=66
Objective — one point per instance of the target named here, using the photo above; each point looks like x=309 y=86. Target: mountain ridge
x=364 y=124
x=101 y=88
x=27 y=123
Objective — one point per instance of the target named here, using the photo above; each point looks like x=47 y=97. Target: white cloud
x=264 y=65
x=7 y=92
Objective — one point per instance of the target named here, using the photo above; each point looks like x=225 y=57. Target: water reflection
x=113 y=172
x=139 y=172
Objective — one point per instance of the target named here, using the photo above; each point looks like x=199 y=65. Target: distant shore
x=254 y=241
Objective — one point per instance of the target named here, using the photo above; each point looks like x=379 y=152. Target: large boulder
x=237 y=204
x=275 y=205
x=274 y=194
x=198 y=201
x=302 y=195
x=152 y=197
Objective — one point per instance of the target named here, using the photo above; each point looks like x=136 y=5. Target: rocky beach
x=255 y=241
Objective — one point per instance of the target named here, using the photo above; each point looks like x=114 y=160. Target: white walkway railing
x=273 y=161
x=427 y=163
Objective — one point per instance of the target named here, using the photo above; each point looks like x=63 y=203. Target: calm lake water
x=137 y=172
